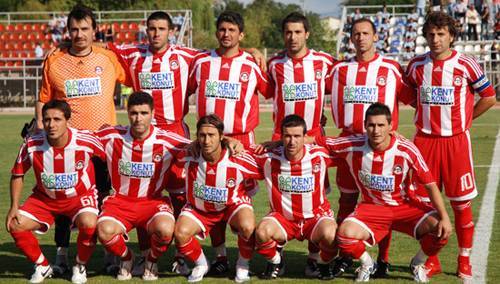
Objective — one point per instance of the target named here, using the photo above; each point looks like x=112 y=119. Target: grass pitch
x=15 y=268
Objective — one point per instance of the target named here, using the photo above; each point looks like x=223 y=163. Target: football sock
x=350 y=247
x=383 y=247
x=28 y=244
x=85 y=244
x=246 y=246
x=267 y=249
x=159 y=245
x=191 y=250
x=116 y=246
x=431 y=244
x=464 y=224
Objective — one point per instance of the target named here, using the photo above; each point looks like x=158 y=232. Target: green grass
x=15 y=268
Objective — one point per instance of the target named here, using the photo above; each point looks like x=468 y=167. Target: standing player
x=139 y=157
x=60 y=157
x=297 y=78
x=295 y=175
x=84 y=76
x=225 y=81
x=216 y=192
x=355 y=84
x=445 y=81
x=381 y=164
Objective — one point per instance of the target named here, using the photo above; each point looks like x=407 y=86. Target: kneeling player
x=215 y=192
x=295 y=175
x=138 y=157
x=381 y=164
x=60 y=157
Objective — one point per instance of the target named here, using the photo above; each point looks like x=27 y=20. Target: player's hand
x=259 y=58
x=29 y=129
x=12 y=216
x=193 y=149
x=444 y=229
x=234 y=146
x=266 y=146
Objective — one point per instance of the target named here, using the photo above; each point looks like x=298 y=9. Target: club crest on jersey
x=174 y=64
x=376 y=182
x=360 y=94
x=157 y=158
x=60 y=181
x=98 y=70
x=135 y=169
x=210 y=193
x=231 y=182
x=156 y=80
x=318 y=74
x=296 y=184
x=296 y=92
x=84 y=87
x=316 y=168
x=223 y=90
x=457 y=81
x=244 y=77
x=397 y=170
x=437 y=95
x=79 y=165
x=381 y=80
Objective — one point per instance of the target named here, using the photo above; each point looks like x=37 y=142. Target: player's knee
x=263 y=232
x=346 y=230
x=247 y=228
x=105 y=231
x=164 y=230
x=86 y=220
x=182 y=233
x=15 y=227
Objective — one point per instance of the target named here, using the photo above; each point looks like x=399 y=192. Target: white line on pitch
x=482 y=235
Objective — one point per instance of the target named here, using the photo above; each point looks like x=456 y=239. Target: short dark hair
x=439 y=20
x=293 y=120
x=160 y=15
x=80 y=12
x=378 y=109
x=364 y=20
x=140 y=98
x=231 y=17
x=60 y=105
x=295 y=17
x=211 y=119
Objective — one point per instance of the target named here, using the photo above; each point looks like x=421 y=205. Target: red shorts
x=207 y=220
x=44 y=210
x=299 y=230
x=450 y=162
x=378 y=220
x=132 y=213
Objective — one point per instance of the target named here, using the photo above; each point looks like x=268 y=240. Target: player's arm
x=38 y=115
x=444 y=225
x=258 y=57
x=16 y=187
x=482 y=105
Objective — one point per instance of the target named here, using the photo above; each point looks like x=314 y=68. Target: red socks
x=350 y=247
x=327 y=252
x=85 y=244
x=246 y=246
x=116 y=245
x=28 y=244
x=267 y=249
x=464 y=224
x=383 y=247
x=191 y=250
x=159 y=245
x=431 y=244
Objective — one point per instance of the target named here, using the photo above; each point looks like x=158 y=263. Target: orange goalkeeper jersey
x=87 y=83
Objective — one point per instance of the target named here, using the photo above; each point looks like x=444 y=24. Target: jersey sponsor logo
x=296 y=184
x=222 y=90
x=437 y=95
x=135 y=169
x=84 y=87
x=210 y=193
x=156 y=80
x=360 y=94
x=300 y=92
x=59 y=181
x=376 y=182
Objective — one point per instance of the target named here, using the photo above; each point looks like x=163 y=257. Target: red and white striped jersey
x=228 y=87
x=163 y=75
x=382 y=176
x=298 y=87
x=64 y=172
x=138 y=168
x=296 y=189
x=355 y=85
x=445 y=92
x=211 y=187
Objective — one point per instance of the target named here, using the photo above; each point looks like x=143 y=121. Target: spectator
x=110 y=33
x=38 y=50
x=451 y=7
x=141 y=34
x=421 y=8
x=472 y=18
x=436 y=5
x=460 y=10
x=407 y=54
x=413 y=17
x=356 y=15
x=485 y=19
x=497 y=25
x=100 y=34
